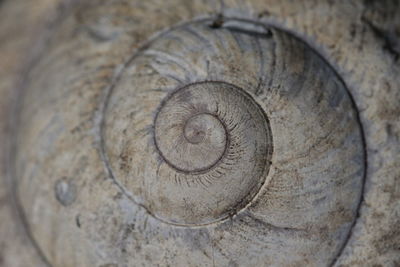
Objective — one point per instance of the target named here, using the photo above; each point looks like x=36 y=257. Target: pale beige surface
x=20 y=23
x=89 y=221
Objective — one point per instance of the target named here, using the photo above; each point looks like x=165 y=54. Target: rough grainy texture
x=100 y=92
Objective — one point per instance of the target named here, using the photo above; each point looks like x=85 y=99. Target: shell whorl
x=212 y=142
x=213 y=135
x=199 y=127
x=239 y=131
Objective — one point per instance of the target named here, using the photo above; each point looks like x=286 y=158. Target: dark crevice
x=266 y=34
x=217 y=23
x=387 y=38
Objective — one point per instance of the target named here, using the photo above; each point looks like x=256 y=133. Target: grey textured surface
x=89 y=92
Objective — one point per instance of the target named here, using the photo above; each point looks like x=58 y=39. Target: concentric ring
x=215 y=171
x=300 y=202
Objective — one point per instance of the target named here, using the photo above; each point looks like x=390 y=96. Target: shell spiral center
x=189 y=142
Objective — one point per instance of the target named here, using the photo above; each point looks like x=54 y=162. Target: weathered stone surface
x=94 y=174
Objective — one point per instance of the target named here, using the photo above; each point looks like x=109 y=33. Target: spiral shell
x=236 y=138
x=211 y=158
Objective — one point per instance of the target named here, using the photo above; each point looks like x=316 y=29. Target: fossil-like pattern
x=238 y=134
x=210 y=156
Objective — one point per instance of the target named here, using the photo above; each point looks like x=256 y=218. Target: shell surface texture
x=198 y=141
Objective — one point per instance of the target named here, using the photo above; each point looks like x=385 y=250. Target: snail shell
x=253 y=130
x=228 y=138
